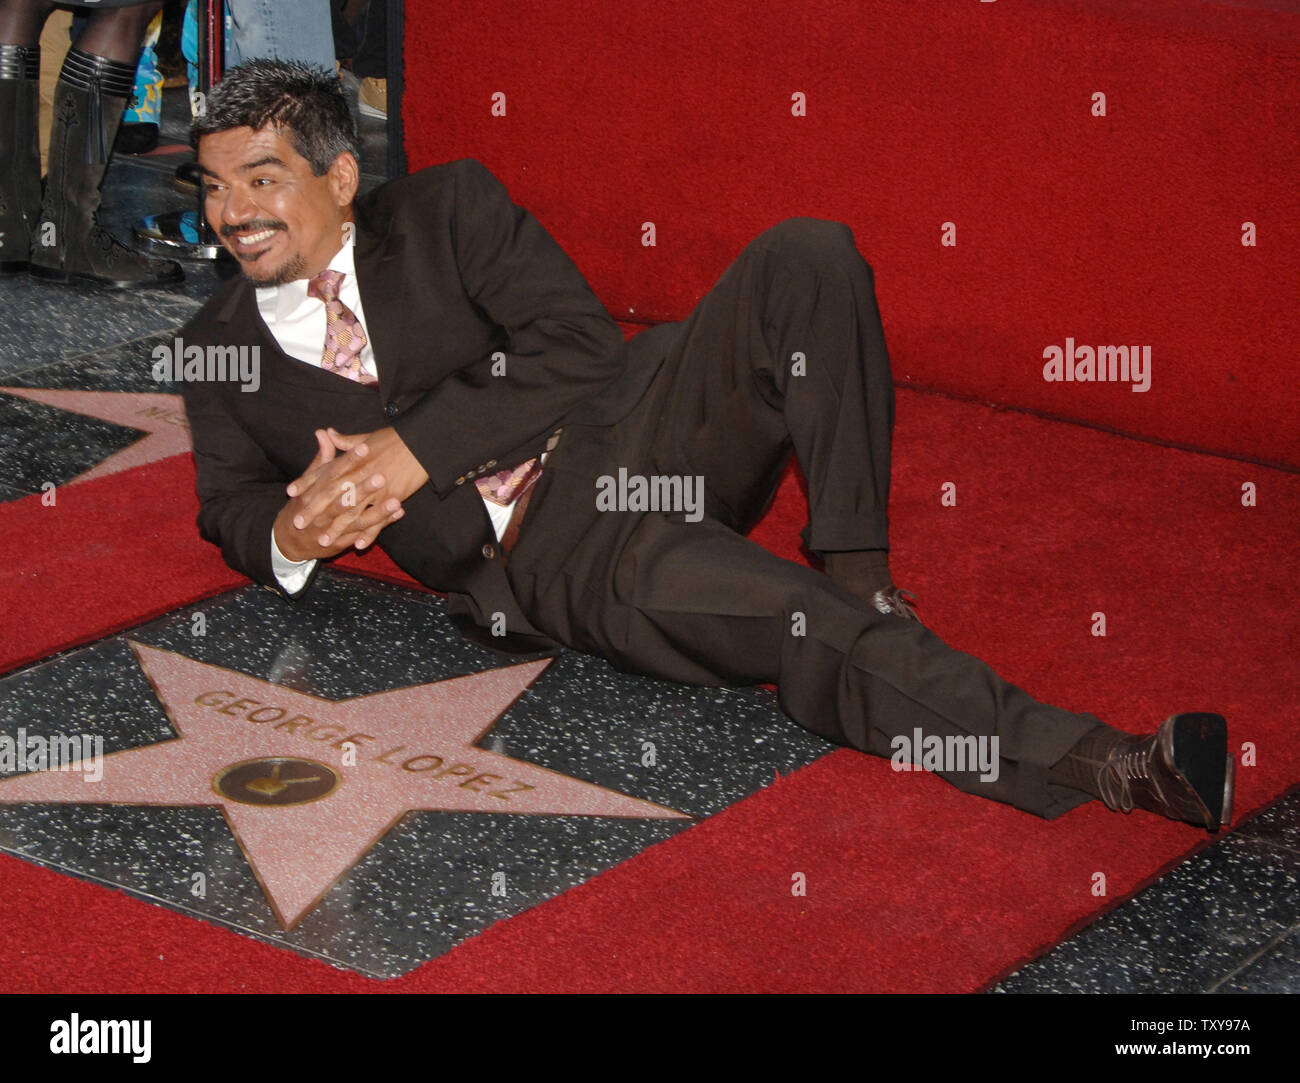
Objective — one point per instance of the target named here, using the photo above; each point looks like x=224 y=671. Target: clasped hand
x=353 y=488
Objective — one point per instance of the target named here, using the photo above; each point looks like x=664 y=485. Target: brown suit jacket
x=450 y=272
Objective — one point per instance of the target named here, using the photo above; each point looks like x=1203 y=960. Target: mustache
x=252 y=227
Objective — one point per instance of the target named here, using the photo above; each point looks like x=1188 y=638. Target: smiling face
x=271 y=212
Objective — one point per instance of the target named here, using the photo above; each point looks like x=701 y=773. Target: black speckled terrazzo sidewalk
x=432 y=879
x=1225 y=921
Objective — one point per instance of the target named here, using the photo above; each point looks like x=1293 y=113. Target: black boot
x=68 y=243
x=20 y=153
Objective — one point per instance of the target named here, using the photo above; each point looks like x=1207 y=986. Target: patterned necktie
x=507 y=486
x=344 y=337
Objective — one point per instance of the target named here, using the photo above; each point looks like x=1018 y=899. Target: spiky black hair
x=304 y=102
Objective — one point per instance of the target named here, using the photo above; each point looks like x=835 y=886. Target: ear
x=344 y=178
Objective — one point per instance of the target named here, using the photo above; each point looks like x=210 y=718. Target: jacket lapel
x=377 y=258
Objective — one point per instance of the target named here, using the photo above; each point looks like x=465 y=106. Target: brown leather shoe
x=1182 y=771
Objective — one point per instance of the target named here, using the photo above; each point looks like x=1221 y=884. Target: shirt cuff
x=292 y=575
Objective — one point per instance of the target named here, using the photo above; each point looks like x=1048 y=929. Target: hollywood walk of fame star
x=341 y=773
x=160 y=417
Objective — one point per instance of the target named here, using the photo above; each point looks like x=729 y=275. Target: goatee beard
x=291 y=271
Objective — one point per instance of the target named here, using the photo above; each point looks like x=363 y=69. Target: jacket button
x=391 y=409
x=489 y=552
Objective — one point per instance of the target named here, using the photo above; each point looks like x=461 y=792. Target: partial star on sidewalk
x=160 y=417
x=309 y=785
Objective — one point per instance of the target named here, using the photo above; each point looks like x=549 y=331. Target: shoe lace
x=893 y=600
x=1117 y=774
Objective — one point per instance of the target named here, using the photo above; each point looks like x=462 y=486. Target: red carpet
x=90 y=567
x=1122 y=229
x=1199 y=597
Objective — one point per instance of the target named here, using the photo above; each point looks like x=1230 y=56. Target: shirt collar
x=285 y=300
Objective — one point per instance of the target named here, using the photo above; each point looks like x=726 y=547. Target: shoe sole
x=52 y=275
x=1201 y=756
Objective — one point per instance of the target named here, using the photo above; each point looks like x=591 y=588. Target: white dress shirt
x=297 y=323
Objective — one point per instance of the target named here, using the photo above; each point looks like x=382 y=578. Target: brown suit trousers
x=785 y=354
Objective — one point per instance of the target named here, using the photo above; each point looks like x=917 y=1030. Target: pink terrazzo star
x=392 y=752
x=161 y=417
